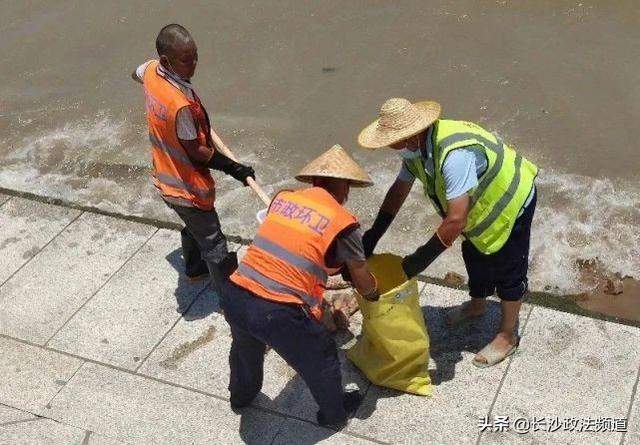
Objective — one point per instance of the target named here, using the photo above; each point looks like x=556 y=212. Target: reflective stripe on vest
x=177 y=183
x=173 y=152
x=286 y=261
x=502 y=203
x=490 y=175
x=301 y=263
x=501 y=190
x=175 y=175
x=274 y=286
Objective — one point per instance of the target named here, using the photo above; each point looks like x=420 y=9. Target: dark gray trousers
x=304 y=344
x=204 y=246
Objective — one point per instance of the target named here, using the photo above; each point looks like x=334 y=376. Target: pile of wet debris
x=339 y=304
x=611 y=294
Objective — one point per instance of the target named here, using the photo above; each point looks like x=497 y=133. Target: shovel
x=250 y=181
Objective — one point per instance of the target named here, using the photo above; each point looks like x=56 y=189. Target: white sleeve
x=141 y=69
x=185 y=126
x=459 y=173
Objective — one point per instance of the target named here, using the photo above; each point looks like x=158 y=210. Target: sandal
x=493 y=356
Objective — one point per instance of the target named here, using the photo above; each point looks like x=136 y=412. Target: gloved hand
x=423 y=256
x=241 y=172
x=232 y=168
x=372 y=236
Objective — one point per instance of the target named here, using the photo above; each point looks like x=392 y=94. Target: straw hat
x=399 y=119
x=335 y=163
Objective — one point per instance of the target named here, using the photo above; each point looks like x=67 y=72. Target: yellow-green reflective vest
x=501 y=191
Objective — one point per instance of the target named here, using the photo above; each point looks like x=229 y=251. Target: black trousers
x=503 y=272
x=301 y=341
x=204 y=245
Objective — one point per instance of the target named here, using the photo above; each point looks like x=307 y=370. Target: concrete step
x=101 y=336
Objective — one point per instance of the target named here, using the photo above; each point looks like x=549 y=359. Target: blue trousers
x=301 y=341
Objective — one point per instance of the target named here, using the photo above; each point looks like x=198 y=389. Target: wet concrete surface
x=285 y=80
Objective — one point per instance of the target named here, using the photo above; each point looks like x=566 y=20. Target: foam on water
x=87 y=139
x=582 y=218
x=578 y=217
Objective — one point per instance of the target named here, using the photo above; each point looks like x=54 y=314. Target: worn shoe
x=352 y=400
x=351 y=403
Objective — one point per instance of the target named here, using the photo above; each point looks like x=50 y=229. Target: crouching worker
x=275 y=295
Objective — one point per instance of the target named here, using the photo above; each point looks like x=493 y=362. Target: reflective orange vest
x=174 y=174
x=286 y=261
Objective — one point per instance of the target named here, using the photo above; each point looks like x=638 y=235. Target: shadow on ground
x=209 y=301
x=446 y=347
x=295 y=400
x=447 y=344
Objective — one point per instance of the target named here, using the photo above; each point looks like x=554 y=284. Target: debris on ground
x=611 y=294
x=339 y=306
x=454 y=279
x=336 y=282
x=613 y=286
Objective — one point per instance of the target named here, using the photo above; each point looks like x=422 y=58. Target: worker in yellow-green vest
x=483 y=190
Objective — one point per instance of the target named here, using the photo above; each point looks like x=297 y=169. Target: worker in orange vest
x=275 y=296
x=183 y=152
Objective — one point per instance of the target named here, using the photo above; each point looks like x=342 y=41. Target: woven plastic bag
x=393 y=350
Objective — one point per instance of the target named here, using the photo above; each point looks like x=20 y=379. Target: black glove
x=232 y=168
x=241 y=173
x=419 y=260
x=373 y=235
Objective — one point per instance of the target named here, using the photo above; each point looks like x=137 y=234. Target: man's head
x=336 y=172
x=177 y=51
x=411 y=143
x=400 y=124
x=338 y=188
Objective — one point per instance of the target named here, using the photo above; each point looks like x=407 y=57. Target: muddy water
x=285 y=80
x=624 y=305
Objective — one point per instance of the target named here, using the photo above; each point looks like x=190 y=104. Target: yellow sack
x=393 y=350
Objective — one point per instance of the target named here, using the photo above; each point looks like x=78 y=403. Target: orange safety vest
x=173 y=172
x=286 y=261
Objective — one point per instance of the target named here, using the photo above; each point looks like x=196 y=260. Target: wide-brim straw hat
x=399 y=119
x=335 y=163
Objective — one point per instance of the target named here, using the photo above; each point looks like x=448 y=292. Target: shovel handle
x=250 y=181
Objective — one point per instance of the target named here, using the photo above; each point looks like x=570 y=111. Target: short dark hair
x=169 y=36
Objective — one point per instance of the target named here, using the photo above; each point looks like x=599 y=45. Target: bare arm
x=199 y=154
x=455 y=221
x=396 y=196
x=450 y=228
x=363 y=280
